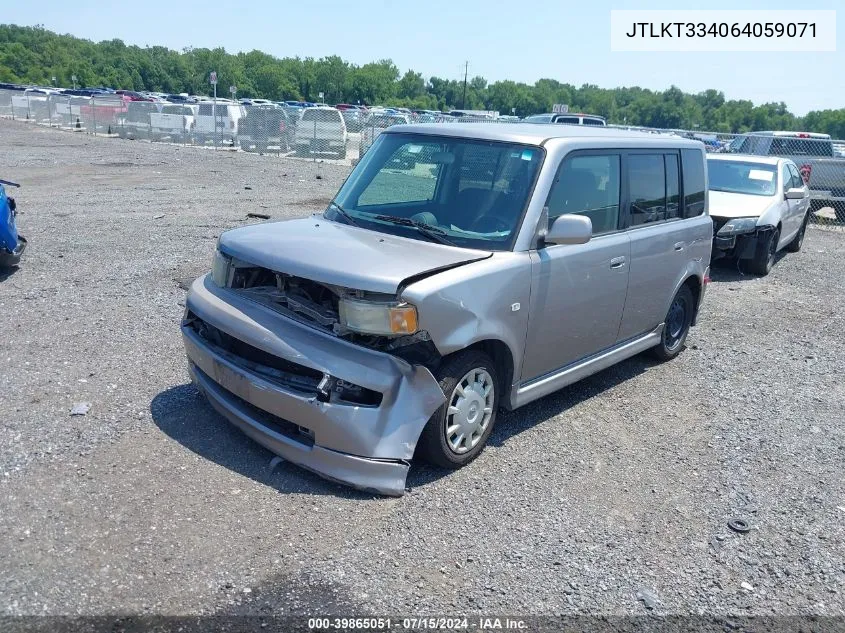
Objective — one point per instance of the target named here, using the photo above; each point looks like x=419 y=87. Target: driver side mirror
x=796 y=193
x=569 y=229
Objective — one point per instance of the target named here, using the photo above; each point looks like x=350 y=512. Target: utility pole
x=464 y=99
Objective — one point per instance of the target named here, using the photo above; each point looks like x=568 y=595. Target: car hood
x=738 y=205
x=342 y=255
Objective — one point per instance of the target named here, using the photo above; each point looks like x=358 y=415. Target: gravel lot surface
x=612 y=496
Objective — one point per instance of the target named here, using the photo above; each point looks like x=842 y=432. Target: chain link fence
x=344 y=133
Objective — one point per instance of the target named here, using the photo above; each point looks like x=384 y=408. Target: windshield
x=741 y=177
x=177 y=109
x=470 y=192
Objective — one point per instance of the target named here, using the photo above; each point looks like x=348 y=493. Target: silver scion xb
x=460 y=268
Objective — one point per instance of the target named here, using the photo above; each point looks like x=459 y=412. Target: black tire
x=676 y=325
x=433 y=446
x=795 y=245
x=764 y=259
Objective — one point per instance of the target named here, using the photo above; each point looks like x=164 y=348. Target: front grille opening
x=273 y=422
x=275 y=369
x=307 y=301
x=282 y=372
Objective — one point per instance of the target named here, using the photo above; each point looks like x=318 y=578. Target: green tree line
x=36 y=55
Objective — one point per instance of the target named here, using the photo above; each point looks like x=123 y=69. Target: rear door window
x=647 y=187
x=673 y=186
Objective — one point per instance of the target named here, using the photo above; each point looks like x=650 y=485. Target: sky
x=502 y=39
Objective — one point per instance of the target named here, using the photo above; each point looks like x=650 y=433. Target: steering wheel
x=425 y=217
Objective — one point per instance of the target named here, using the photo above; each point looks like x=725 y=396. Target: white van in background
x=567 y=118
x=227 y=114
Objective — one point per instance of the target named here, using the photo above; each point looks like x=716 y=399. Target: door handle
x=679 y=246
x=617 y=262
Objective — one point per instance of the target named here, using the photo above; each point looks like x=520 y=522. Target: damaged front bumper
x=282 y=382
x=744 y=245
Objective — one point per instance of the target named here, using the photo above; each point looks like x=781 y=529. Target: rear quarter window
x=692 y=165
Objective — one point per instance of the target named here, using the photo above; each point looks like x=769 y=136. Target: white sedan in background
x=759 y=205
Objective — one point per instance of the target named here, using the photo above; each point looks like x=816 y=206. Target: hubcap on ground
x=470 y=411
x=675 y=321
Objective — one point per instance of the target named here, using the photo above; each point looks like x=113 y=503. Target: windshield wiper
x=431 y=232
x=343 y=213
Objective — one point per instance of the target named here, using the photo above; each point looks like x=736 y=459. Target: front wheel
x=795 y=245
x=764 y=258
x=677 y=325
x=458 y=431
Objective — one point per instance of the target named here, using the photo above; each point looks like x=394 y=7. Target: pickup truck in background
x=135 y=122
x=815 y=156
x=321 y=131
x=175 y=121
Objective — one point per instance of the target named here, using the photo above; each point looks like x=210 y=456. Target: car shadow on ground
x=512 y=423
x=5 y=273
x=727 y=269
x=183 y=414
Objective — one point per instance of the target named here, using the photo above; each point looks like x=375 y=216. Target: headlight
x=386 y=319
x=737 y=226
x=220 y=269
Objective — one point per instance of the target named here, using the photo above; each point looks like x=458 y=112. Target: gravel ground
x=609 y=497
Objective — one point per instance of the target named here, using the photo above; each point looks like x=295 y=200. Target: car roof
x=810 y=135
x=538 y=133
x=747 y=158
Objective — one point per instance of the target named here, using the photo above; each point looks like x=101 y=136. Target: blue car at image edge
x=12 y=244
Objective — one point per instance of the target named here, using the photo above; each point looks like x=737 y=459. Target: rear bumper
x=367 y=447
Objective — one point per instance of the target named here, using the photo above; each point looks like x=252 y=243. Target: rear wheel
x=458 y=431
x=795 y=245
x=677 y=325
x=764 y=258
